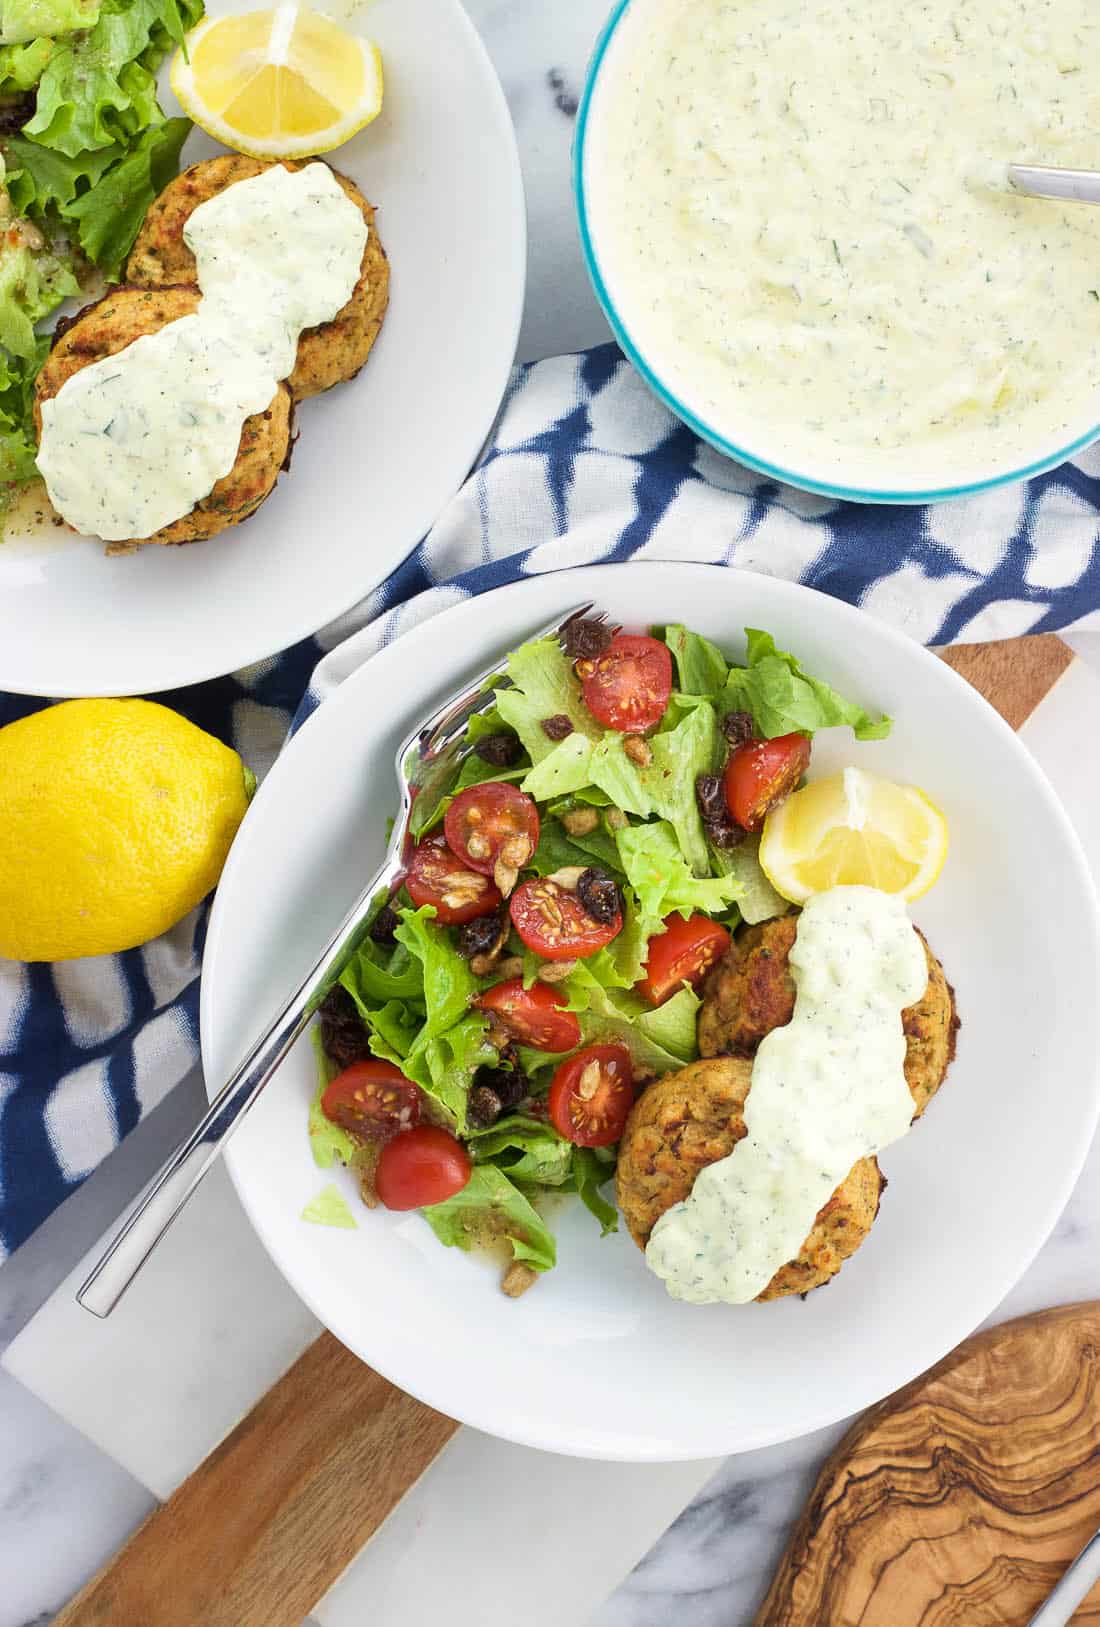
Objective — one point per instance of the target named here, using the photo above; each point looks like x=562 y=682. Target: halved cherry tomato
x=483 y=819
x=592 y=1094
x=554 y=922
x=533 y=1015
x=423 y=1166
x=627 y=687
x=372 y=1100
x=683 y=953
x=761 y=773
x=458 y=893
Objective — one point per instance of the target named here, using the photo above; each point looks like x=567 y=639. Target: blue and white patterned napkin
x=584 y=466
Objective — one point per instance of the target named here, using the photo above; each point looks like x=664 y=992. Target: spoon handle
x=1043 y=181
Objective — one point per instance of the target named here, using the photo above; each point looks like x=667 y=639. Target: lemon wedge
x=854 y=829
x=281 y=83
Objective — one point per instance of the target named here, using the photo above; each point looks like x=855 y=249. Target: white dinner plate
x=596 y=1359
x=377 y=457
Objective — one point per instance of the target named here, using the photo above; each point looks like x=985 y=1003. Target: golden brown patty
x=750 y=992
x=689 y=1119
x=326 y=355
x=116 y=321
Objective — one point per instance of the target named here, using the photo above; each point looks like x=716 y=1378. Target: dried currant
x=718 y=823
x=583 y=640
x=509 y=1083
x=710 y=796
x=483 y=1107
x=479 y=936
x=723 y=832
x=343 y=1033
x=384 y=925
x=738 y=727
x=557 y=727
x=600 y=895
x=16 y=111
x=495 y=1091
x=499 y=750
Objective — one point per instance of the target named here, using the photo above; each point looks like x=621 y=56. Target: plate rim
x=181 y=674
x=571 y=1439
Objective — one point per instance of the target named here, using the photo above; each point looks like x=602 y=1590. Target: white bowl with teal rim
x=992 y=447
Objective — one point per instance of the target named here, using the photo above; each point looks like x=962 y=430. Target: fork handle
x=175 y=1181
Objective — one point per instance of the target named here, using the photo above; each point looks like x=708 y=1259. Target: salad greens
x=661 y=1040
x=635 y=815
x=17 y=447
x=530 y=1151
x=329 y=1208
x=757 y=899
x=783 y=698
x=594 y=759
x=25 y=20
x=415 y=1004
x=543 y=684
x=489 y=1206
x=593 y=1167
x=661 y=878
x=328 y=1143
x=84 y=149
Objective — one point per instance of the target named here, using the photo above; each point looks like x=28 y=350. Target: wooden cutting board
x=262 y=1529
x=960 y=1500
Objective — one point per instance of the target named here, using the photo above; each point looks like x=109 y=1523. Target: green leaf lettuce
x=784 y=699
x=543 y=685
x=99 y=88
x=701 y=667
x=17 y=445
x=488 y=1208
x=327 y=1142
x=530 y=1151
x=329 y=1208
x=32 y=283
x=23 y=20
x=592 y=1169
x=658 y=872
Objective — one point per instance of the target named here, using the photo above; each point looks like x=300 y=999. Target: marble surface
x=65 y=1504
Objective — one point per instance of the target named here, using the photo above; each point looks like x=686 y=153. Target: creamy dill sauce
x=801 y=210
x=133 y=442
x=827 y=1090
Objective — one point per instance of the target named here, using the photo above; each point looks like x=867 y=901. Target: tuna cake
x=110 y=325
x=328 y=354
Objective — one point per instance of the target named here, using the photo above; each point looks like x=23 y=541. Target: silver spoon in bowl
x=1044 y=181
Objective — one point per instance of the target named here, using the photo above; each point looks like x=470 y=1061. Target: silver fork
x=426 y=764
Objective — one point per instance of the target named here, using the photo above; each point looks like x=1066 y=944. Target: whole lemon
x=115 y=820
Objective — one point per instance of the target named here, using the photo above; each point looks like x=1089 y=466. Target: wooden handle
x=959 y=1501
x=1012 y=673
x=264 y=1527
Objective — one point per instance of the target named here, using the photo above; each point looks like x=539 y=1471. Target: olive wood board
x=264 y=1527
x=959 y=1501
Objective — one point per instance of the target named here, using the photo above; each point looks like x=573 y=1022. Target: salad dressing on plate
x=802 y=213
x=827 y=1090
x=133 y=442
